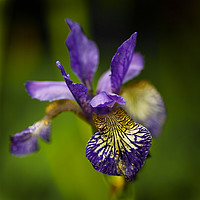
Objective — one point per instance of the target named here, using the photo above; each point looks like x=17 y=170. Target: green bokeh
x=168 y=36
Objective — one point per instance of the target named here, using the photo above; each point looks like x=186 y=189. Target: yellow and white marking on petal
x=118 y=133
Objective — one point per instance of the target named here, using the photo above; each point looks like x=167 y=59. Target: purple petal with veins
x=121 y=62
x=26 y=141
x=104 y=83
x=120 y=146
x=135 y=67
x=48 y=90
x=84 y=55
x=79 y=92
x=106 y=99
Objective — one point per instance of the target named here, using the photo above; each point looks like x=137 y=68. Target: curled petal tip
x=106 y=99
x=23 y=145
x=59 y=65
x=61 y=68
x=26 y=141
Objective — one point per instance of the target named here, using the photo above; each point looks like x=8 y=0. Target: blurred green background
x=32 y=36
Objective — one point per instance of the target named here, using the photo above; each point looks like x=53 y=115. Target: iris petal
x=120 y=146
x=106 y=99
x=83 y=54
x=48 y=90
x=121 y=62
x=145 y=105
x=26 y=141
x=104 y=83
x=79 y=91
x=135 y=67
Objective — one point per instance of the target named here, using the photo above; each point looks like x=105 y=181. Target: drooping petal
x=83 y=54
x=145 y=105
x=120 y=146
x=121 y=62
x=135 y=67
x=79 y=92
x=106 y=99
x=48 y=90
x=26 y=141
x=104 y=83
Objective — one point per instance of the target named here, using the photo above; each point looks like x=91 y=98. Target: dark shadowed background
x=32 y=36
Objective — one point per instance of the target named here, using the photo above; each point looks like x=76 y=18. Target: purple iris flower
x=124 y=119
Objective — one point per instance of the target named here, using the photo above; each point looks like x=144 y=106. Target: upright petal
x=79 y=92
x=145 y=105
x=48 y=90
x=26 y=141
x=120 y=146
x=104 y=83
x=121 y=62
x=135 y=67
x=83 y=54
